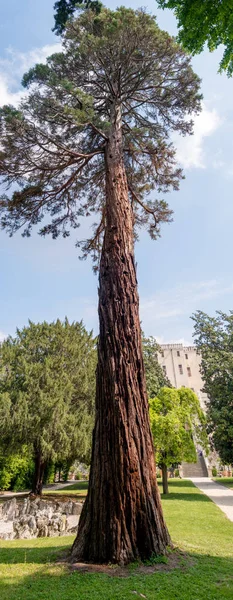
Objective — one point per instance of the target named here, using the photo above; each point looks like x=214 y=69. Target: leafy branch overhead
x=64 y=10
x=53 y=145
x=205 y=21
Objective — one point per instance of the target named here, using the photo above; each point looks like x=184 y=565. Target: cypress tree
x=47 y=392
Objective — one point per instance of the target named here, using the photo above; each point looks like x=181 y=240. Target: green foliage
x=176 y=420
x=53 y=146
x=16 y=470
x=205 y=21
x=214 y=341
x=156 y=560
x=47 y=390
x=64 y=9
x=155 y=378
x=49 y=473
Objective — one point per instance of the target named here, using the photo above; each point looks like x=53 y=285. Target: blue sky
x=189 y=268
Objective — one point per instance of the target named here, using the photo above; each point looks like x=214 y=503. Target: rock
x=77 y=508
x=23 y=507
x=6 y=530
x=32 y=518
x=72 y=523
x=43 y=531
x=32 y=524
x=7 y=536
x=63 y=524
x=9 y=509
x=67 y=508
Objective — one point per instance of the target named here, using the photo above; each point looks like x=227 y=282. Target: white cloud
x=190 y=149
x=3 y=336
x=15 y=65
x=6 y=96
x=181 y=300
x=161 y=340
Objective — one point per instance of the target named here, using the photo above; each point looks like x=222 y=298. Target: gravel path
x=218 y=493
x=53 y=486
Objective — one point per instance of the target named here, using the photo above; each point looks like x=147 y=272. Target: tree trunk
x=122 y=517
x=165 y=480
x=39 y=474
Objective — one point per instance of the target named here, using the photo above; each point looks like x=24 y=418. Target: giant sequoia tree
x=93 y=137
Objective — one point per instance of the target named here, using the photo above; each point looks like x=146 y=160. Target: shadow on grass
x=204 y=577
x=183 y=490
x=188 y=498
x=40 y=555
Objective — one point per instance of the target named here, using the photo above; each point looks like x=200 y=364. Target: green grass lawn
x=30 y=569
x=227 y=481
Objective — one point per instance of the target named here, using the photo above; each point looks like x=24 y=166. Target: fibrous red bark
x=122 y=517
x=38 y=474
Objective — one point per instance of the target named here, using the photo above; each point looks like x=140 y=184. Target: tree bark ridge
x=122 y=517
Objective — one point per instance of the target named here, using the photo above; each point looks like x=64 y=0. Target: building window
x=162 y=353
x=189 y=372
x=180 y=369
x=164 y=370
x=178 y=353
x=186 y=356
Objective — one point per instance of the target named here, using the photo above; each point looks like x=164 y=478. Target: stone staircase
x=197 y=469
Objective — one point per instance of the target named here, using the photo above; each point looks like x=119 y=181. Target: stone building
x=181 y=364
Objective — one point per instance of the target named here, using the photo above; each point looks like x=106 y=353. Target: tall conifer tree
x=47 y=391
x=93 y=136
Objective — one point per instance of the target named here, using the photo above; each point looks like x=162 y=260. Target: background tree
x=214 y=340
x=205 y=21
x=155 y=377
x=177 y=423
x=47 y=393
x=16 y=469
x=93 y=136
x=64 y=9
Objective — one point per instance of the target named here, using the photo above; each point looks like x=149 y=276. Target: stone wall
x=31 y=518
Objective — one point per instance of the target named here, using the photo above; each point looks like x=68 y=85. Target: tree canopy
x=155 y=378
x=47 y=390
x=177 y=423
x=53 y=145
x=16 y=469
x=214 y=340
x=205 y=21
